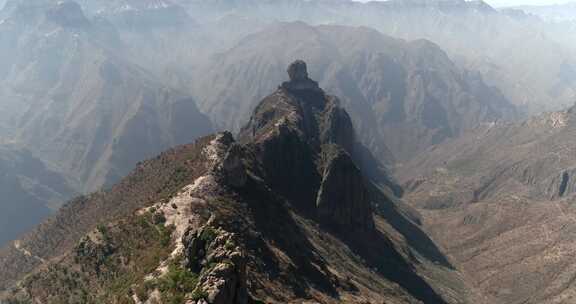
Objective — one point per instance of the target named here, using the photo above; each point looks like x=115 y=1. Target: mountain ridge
x=258 y=231
x=73 y=100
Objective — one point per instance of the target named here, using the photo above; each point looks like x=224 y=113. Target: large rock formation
x=299 y=80
x=343 y=197
x=305 y=141
x=224 y=263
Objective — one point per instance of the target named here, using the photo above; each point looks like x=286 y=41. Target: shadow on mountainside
x=415 y=237
x=272 y=218
x=379 y=254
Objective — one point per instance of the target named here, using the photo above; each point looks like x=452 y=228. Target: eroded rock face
x=298 y=71
x=299 y=80
x=304 y=141
x=232 y=169
x=221 y=263
x=343 y=198
x=336 y=127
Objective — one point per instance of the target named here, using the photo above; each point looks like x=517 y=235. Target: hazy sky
x=523 y=2
x=517 y=2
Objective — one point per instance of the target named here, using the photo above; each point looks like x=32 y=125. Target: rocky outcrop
x=221 y=263
x=304 y=141
x=299 y=80
x=336 y=127
x=343 y=198
x=227 y=162
x=232 y=169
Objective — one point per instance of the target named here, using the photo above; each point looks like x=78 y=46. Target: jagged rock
x=293 y=128
x=336 y=127
x=299 y=80
x=298 y=71
x=232 y=168
x=222 y=264
x=343 y=198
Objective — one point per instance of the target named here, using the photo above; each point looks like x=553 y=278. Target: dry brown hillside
x=499 y=200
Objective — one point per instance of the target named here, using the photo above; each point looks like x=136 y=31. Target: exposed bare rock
x=299 y=80
x=232 y=168
x=297 y=71
x=291 y=129
x=221 y=263
x=343 y=197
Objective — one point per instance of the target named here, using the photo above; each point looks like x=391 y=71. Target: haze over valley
x=287 y=151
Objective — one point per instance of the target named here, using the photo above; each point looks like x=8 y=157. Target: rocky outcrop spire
x=303 y=140
x=215 y=254
x=299 y=80
x=298 y=71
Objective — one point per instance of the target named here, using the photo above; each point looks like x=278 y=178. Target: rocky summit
x=305 y=141
x=282 y=215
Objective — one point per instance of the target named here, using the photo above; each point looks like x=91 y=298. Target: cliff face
x=283 y=215
x=305 y=141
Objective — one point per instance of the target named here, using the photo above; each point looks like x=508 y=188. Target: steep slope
x=158 y=36
x=70 y=98
x=29 y=189
x=283 y=215
x=402 y=96
x=499 y=200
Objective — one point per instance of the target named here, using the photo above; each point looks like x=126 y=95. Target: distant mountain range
x=472 y=32
x=402 y=96
x=72 y=100
x=555 y=12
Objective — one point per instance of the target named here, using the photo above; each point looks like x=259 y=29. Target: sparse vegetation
x=112 y=269
x=177 y=283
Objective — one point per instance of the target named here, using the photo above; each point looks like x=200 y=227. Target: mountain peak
x=299 y=80
x=298 y=71
x=306 y=142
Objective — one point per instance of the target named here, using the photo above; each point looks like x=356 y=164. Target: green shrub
x=208 y=234
x=177 y=283
x=199 y=294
